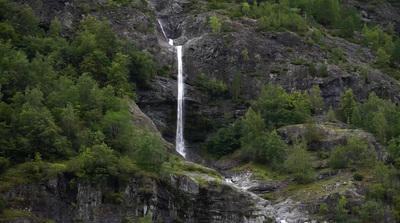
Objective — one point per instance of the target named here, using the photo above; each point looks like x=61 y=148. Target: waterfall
x=180 y=142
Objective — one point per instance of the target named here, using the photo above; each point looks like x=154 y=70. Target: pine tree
x=317 y=102
x=356 y=120
x=299 y=163
x=215 y=24
x=380 y=126
x=346 y=105
x=395 y=58
x=331 y=114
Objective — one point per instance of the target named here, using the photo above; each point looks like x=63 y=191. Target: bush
x=372 y=211
x=4 y=164
x=323 y=71
x=226 y=140
x=358 y=177
x=97 y=163
x=151 y=153
x=338 y=158
x=299 y=163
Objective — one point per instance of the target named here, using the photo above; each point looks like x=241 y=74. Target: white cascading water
x=180 y=142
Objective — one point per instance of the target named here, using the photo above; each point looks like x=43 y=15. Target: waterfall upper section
x=179 y=142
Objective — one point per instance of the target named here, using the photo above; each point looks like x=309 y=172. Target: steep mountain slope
x=246 y=192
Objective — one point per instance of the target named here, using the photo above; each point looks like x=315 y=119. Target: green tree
x=55 y=29
x=338 y=158
x=299 y=163
x=331 y=114
x=119 y=131
x=317 y=102
x=215 y=24
x=372 y=211
x=151 y=152
x=395 y=57
x=97 y=163
x=381 y=125
x=356 y=148
x=118 y=75
x=346 y=105
x=245 y=8
x=226 y=140
x=274 y=151
x=356 y=120
x=253 y=134
x=382 y=58
x=340 y=209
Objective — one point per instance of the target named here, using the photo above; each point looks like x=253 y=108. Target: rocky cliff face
x=270 y=59
x=172 y=199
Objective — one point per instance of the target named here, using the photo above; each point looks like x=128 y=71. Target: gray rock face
x=177 y=199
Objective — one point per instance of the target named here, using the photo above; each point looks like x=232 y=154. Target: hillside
x=290 y=111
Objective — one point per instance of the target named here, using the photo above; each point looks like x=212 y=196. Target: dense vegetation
x=68 y=98
x=63 y=98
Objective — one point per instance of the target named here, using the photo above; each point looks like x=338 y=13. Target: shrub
x=97 y=163
x=323 y=71
x=299 y=163
x=372 y=211
x=358 y=177
x=4 y=164
x=151 y=153
x=338 y=158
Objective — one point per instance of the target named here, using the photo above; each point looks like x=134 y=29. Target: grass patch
x=201 y=181
x=178 y=166
x=264 y=172
x=30 y=172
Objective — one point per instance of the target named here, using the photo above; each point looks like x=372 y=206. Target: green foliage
x=311 y=69
x=317 y=103
x=358 y=177
x=323 y=71
x=97 y=163
x=355 y=152
x=258 y=144
x=226 y=140
x=394 y=150
x=213 y=87
x=386 y=176
x=382 y=58
x=331 y=114
x=346 y=105
x=236 y=86
x=338 y=158
x=299 y=163
x=279 y=17
x=4 y=164
x=338 y=55
x=279 y=108
x=215 y=24
x=59 y=95
x=55 y=29
x=372 y=211
x=119 y=131
x=151 y=153
x=340 y=211
x=245 y=55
